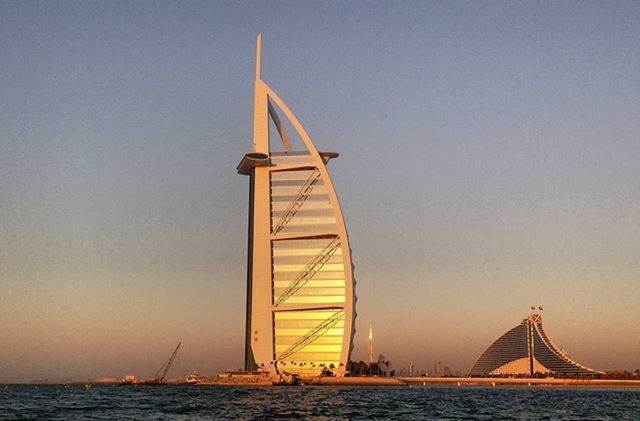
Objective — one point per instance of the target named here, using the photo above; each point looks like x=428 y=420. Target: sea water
x=317 y=402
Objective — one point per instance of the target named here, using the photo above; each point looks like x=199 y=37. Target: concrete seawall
x=356 y=381
x=487 y=381
x=267 y=380
x=468 y=381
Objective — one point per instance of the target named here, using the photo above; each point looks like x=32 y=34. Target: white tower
x=300 y=285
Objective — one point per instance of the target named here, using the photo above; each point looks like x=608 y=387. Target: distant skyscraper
x=526 y=349
x=300 y=285
x=437 y=369
x=370 y=344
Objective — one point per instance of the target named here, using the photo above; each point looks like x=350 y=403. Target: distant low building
x=526 y=350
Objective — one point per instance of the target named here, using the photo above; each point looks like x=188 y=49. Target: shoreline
x=392 y=382
x=437 y=381
x=470 y=382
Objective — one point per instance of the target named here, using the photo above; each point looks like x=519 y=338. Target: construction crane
x=159 y=379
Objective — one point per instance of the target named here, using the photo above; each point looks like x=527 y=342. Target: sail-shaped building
x=300 y=285
x=526 y=350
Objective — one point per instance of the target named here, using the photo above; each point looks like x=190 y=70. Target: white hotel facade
x=300 y=283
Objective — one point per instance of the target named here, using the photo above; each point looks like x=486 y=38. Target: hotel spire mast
x=260 y=106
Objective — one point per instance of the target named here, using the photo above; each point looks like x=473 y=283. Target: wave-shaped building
x=300 y=284
x=525 y=350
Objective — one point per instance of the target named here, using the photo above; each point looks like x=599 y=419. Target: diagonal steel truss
x=312 y=335
x=298 y=201
x=310 y=270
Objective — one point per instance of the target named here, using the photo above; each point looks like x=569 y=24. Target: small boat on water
x=288 y=379
x=129 y=379
x=194 y=378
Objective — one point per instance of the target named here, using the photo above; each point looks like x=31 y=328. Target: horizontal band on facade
x=303 y=243
x=329 y=267
x=299 y=324
x=312 y=205
x=311 y=223
x=318 y=283
x=295 y=299
x=290 y=332
x=303 y=159
x=306 y=314
x=301 y=227
x=291 y=193
x=316 y=348
x=283 y=257
x=319 y=293
x=294 y=180
x=302 y=252
x=322 y=275
x=291 y=175
x=312 y=197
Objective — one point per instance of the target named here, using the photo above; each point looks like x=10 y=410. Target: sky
x=489 y=161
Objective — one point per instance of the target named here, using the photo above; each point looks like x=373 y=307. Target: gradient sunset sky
x=489 y=161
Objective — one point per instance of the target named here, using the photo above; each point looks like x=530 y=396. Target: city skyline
x=489 y=161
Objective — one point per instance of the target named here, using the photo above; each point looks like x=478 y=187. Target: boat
x=194 y=378
x=288 y=379
x=128 y=380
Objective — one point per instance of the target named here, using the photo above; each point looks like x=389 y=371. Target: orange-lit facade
x=300 y=284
